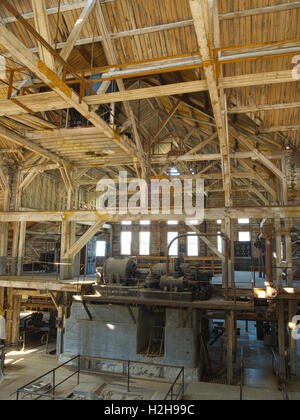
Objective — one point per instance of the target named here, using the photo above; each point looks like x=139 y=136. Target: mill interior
x=149 y=303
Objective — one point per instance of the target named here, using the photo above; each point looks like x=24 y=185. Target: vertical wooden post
x=230 y=345
x=278 y=252
x=68 y=237
x=4 y=227
x=293 y=308
x=17 y=300
x=229 y=232
x=289 y=253
x=21 y=248
x=281 y=340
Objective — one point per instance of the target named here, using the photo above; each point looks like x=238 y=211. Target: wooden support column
x=289 y=253
x=278 y=252
x=17 y=225
x=68 y=237
x=281 y=340
x=61 y=322
x=16 y=309
x=230 y=345
x=67 y=240
x=229 y=233
x=4 y=226
x=21 y=248
x=293 y=309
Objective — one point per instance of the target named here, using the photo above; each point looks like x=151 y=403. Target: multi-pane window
x=145 y=243
x=126 y=239
x=244 y=237
x=192 y=245
x=244 y=221
x=220 y=243
x=174 y=247
x=101 y=249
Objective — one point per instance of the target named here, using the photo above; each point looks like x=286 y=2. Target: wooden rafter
x=200 y=20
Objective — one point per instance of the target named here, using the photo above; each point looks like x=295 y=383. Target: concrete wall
x=114 y=334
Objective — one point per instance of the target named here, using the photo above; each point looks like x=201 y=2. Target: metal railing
x=179 y=394
x=242 y=367
x=276 y=371
x=173 y=393
x=51 y=392
x=10 y=268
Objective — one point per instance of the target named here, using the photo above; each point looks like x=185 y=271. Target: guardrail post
x=78 y=378
x=128 y=377
x=53 y=385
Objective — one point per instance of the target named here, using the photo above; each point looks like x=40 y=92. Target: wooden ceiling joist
x=21 y=53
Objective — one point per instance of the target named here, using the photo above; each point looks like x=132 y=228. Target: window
x=126 y=223
x=244 y=221
x=193 y=222
x=244 y=237
x=172 y=223
x=101 y=249
x=174 y=172
x=126 y=238
x=145 y=223
x=145 y=243
x=193 y=246
x=220 y=243
x=174 y=248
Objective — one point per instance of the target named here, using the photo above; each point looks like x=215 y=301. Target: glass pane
x=101 y=249
x=144 y=243
x=193 y=246
x=126 y=238
x=244 y=237
x=174 y=248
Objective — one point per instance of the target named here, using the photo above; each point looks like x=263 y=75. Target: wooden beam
x=165 y=122
x=270 y=212
x=259 y=179
x=245 y=142
x=200 y=146
x=41 y=102
x=51 y=11
x=207 y=242
x=42 y=26
x=71 y=41
x=21 y=53
x=275 y=129
x=112 y=60
x=259 y=11
x=262 y=108
x=199 y=13
x=4 y=183
x=30 y=177
x=21 y=141
x=89 y=234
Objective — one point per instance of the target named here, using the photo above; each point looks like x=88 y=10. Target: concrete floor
x=260 y=383
x=23 y=367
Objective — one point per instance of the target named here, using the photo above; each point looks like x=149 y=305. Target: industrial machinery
x=119 y=271
x=177 y=278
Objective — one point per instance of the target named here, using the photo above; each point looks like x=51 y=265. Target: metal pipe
x=185 y=235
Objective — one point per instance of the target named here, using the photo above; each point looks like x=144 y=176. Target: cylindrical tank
x=160 y=269
x=170 y=283
x=119 y=271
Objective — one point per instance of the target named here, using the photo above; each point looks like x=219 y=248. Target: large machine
x=184 y=281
